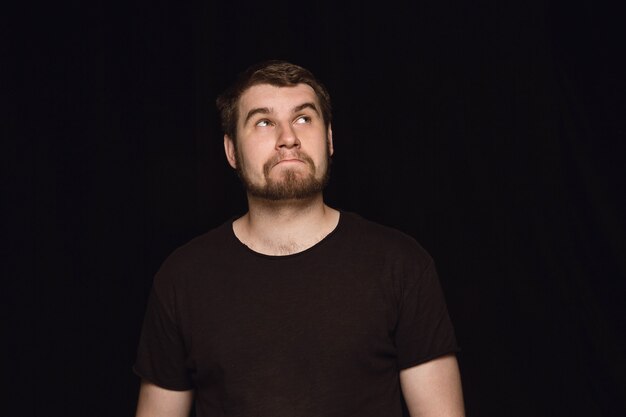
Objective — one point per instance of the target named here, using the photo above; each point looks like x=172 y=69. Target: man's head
x=280 y=139
x=274 y=72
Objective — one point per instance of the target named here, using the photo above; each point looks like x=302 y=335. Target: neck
x=285 y=227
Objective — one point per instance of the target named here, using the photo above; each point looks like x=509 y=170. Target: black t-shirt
x=319 y=333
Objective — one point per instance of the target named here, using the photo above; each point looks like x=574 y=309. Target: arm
x=433 y=389
x=155 y=401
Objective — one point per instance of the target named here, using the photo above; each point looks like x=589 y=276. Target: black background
x=490 y=131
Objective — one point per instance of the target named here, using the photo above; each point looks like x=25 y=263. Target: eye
x=263 y=123
x=303 y=120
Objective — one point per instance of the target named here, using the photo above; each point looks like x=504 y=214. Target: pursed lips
x=290 y=159
x=287 y=159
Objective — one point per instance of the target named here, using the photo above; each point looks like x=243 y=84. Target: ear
x=329 y=135
x=229 y=150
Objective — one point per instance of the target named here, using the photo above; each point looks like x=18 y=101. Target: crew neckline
x=291 y=255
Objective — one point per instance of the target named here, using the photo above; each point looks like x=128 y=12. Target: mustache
x=291 y=155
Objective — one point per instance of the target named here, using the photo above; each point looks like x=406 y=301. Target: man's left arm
x=433 y=388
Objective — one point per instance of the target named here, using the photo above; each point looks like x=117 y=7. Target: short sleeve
x=161 y=352
x=424 y=330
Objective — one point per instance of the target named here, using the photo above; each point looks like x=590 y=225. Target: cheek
x=253 y=159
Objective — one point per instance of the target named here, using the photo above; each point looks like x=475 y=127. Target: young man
x=294 y=309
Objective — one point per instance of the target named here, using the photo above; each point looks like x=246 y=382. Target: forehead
x=276 y=98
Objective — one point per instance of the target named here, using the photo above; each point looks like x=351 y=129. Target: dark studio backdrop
x=492 y=132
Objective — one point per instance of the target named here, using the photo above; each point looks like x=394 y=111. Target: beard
x=292 y=184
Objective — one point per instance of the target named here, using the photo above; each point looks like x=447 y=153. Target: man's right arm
x=155 y=401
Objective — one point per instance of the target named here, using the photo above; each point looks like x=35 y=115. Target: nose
x=287 y=137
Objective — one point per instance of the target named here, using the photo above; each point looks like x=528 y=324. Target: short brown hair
x=274 y=72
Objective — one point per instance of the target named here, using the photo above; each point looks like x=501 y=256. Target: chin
x=292 y=188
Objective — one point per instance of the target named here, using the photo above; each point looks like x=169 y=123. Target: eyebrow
x=267 y=110
x=261 y=110
x=305 y=106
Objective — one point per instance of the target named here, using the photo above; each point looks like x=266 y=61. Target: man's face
x=283 y=148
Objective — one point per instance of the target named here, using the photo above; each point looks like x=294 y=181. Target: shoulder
x=193 y=256
x=382 y=238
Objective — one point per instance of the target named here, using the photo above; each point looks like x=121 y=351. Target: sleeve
x=424 y=330
x=161 y=354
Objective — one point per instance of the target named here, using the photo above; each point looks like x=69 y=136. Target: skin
x=281 y=133
x=283 y=143
x=433 y=389
x=155 y=401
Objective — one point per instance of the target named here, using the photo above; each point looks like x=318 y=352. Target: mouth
x=286 y=161
x=289 y=160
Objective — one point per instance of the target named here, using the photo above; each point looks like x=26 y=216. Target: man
x=295 y=309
